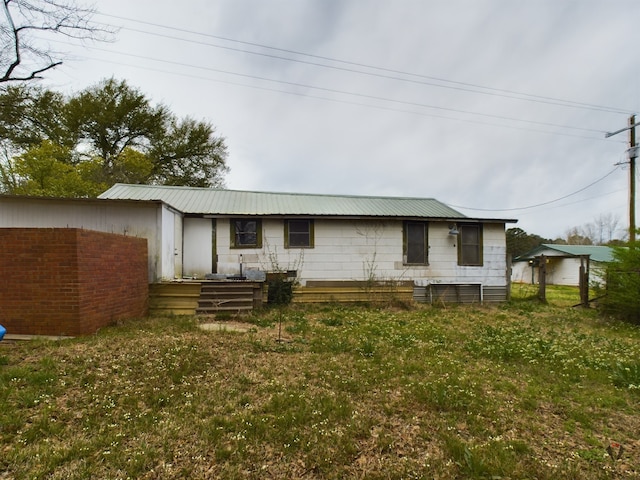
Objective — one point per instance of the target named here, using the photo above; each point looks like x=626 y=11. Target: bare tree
x=607 y=226
x=601 y=231
x=28 y=24
x=577 y=236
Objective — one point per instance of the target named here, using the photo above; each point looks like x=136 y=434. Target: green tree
x=29 y=115
x=45 y=170
x=188 y=153
x=113 y=116
x=112 y=133
x=520 y=242
x=623 y=284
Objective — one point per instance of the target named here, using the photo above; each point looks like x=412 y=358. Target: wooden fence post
x=542 y=279
x=509 y=273
x=584 y=280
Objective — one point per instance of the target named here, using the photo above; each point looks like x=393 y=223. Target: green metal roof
x=207 y=201
x=597 y=253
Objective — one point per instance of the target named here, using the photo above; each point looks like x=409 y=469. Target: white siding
x=522 y=272
x=361 y=250
x=560 y=271
x=444 y=257
x=197 y=247
x=145 y=220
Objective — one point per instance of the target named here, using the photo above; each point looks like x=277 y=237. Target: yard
x=520 y=390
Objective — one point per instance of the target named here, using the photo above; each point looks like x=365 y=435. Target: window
x=415 y=243
x=298 y=234
x=470 y=245
x=246 y=233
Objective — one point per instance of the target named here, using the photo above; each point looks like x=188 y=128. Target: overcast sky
x=495 y=107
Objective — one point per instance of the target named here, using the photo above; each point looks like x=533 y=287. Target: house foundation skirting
x=191 y=297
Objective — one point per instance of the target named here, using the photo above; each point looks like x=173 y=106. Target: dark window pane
x=298 y=239
x=246 y=232
x=470 y=245
x=416 y=243
x=470 y=255
x=470 y=235
x=299 y=233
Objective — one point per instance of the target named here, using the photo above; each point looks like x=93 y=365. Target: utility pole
x=633 y=154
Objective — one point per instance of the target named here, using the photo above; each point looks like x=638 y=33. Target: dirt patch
x=226 y=326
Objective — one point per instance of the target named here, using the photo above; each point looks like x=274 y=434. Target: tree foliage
x=109 y=133
x=623 y=284
x=45 y=170
x=520 y=242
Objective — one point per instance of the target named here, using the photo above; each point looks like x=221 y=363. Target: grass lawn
x=520 y=390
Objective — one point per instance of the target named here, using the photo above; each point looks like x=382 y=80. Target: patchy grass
x=521 y=390
x=557 y=295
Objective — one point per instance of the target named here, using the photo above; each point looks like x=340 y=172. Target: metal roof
x=207 y=201
x=597 y=253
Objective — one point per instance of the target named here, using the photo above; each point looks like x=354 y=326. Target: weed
x=627 y=376
x=333 y=321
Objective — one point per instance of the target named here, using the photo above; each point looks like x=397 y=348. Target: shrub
x=280 y=291
x=623 y=284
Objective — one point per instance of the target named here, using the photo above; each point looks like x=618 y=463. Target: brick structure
x=69 y=281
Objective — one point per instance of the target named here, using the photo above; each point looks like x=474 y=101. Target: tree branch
x=48 y=16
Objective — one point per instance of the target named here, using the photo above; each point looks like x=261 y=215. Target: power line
x=347 y=102
x=538 y=204
x=461 y=86
x=369 y=97
x=576 y=202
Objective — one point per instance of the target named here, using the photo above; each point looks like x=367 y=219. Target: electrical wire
x=538 y=204
x=462 y=86
x=359 y=104
x=371 y=97
x=568 y=204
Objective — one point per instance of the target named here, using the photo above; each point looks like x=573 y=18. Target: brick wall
x=67 y=281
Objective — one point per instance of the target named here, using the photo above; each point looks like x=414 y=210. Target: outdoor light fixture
x=453 y=229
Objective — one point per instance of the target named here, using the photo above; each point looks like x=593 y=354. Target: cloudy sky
x=496 y=107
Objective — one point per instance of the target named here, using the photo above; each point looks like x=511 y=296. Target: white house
x=563 y=263
x=322 y=238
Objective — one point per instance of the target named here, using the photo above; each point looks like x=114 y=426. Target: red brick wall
x=67 y=281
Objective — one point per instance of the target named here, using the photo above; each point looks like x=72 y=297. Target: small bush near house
x=280 y=291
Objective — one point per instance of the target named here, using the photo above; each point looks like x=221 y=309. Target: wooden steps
x=204 y=298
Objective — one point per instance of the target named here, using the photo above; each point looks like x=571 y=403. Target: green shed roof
x=207 y=201
x=597 y=253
